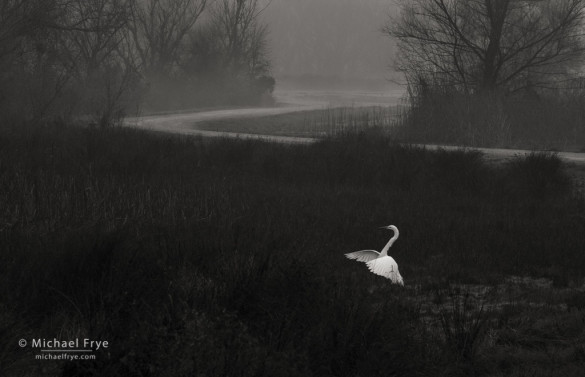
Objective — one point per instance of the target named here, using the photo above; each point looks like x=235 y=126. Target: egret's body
x=380 y=263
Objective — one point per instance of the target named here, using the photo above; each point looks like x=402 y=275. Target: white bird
x=380 y=263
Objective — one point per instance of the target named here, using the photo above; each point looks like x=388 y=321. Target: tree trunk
x=497 y=12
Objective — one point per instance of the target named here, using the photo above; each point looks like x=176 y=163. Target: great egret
x=380 y=263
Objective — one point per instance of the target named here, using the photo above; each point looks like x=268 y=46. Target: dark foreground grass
x=197 y=257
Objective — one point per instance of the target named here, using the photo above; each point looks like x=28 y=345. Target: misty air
x=204 y=187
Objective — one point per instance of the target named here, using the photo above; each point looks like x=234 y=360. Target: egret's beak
x=383 y=227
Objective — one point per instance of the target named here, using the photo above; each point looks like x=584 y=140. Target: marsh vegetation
x=225 y=257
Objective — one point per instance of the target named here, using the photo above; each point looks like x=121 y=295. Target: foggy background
x=330 y=42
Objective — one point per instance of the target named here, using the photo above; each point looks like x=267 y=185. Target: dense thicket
x=104 y=58
x=493 y=72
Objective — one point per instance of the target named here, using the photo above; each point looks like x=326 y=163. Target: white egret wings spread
x=380 y=263
x=363 y=255
x=386 y=267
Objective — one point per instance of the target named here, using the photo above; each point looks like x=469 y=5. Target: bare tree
x=98 y=33
x=22 y=18
x=158 y=29
x=62 y=57
x=105 y=81
x=489 y=44
x=29 y=82
x=241 y=36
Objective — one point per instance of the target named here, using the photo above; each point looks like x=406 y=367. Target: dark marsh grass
x=323 y=123
x=553 y=120
x=225 y=257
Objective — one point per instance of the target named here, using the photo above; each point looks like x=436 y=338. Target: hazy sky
x=330 y=38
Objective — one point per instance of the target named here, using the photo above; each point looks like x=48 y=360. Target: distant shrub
x=552 y=120
x=538 y=175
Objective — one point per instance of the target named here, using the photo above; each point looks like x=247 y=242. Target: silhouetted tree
x=93 y=51
x=95 y=40
x=31 y=76
x=489 y=44
x=241 y=37
x=23 y=18
x=158 y=29
x=229 y=53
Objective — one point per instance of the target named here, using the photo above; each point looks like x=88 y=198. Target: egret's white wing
x=387 y=267
x=363 y=255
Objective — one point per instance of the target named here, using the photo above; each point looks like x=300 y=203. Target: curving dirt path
x=185 y=124
x=296 y=101
x=504 y=154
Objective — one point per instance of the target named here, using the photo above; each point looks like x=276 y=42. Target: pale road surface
x=296 y=100
x=185 y=124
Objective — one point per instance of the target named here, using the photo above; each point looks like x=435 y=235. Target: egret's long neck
x=387 y=247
